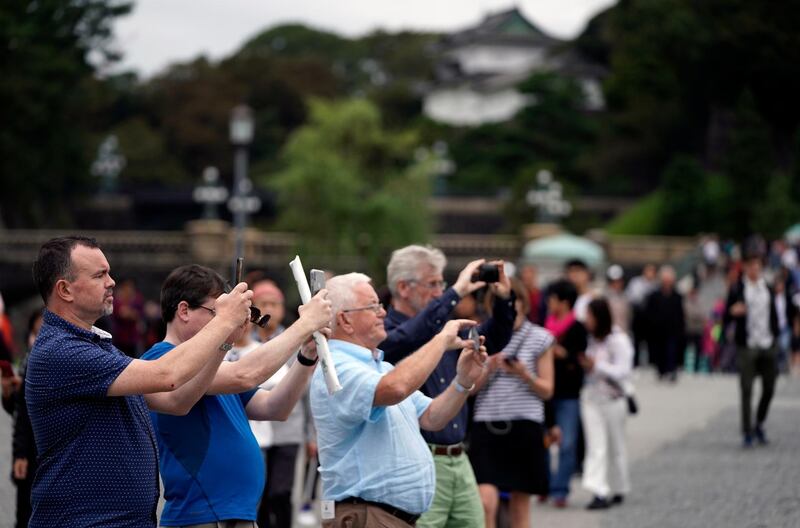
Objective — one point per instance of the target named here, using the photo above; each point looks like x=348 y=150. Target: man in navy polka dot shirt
x=97 y=449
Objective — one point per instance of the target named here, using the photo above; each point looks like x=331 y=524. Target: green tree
x=44 y=52
x=777 y=211
x=693 y=200
x=750 y=164
x=553 y=130
x=350 y=187
x=146 y=156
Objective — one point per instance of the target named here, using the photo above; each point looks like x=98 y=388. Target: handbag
x=626 y=389
x=633 y=405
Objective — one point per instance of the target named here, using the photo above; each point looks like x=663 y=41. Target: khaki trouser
x=363 y=516
x=224 y=524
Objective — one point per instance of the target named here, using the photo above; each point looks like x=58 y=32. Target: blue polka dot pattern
x=97 y=454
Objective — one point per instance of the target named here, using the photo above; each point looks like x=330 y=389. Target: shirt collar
x=59 y=322
x=758 y=283
x=358 y=352
x=395 y=316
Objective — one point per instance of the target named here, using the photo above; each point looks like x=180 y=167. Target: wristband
x=460 y=388
x=305 y=361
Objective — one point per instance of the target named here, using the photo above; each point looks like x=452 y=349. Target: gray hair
x=667 y=270
x=406 y=262
x=340 y=291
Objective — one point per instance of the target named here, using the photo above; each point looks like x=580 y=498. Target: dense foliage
x=351 y=187
x=45 y=89
x=702 y=117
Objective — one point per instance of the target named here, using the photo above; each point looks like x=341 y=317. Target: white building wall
x=465 y=107
x=498 y=59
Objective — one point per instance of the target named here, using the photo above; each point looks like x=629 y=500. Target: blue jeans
x=568 y=418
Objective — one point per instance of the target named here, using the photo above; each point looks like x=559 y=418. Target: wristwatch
x=305 y=361
x=226 y=347
x=460 y=388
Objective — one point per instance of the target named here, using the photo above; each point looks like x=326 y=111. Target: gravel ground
x=706 y=479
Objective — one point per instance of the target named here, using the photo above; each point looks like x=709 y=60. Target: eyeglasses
x=431 y=285
x=213 y=311
x=377 y=308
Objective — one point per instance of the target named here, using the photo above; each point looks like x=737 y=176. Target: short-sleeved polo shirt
x=375 y=453
x=98 y=464
x=211 y=464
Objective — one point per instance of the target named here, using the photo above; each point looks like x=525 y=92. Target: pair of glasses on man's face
x=431 y=285
x=375 y=307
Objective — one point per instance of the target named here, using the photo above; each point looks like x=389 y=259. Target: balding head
x=268 y=298
x=666 y=274
x=357 y=313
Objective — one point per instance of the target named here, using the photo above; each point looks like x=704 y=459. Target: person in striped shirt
x=507 y=444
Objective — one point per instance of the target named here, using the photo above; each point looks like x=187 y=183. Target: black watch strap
x=305 y=361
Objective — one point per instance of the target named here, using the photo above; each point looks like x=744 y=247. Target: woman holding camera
x=507 y=441
x=608 y=363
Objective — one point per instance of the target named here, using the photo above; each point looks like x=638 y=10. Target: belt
x=403 y=515
x=447 y=450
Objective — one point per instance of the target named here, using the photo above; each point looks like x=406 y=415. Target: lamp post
x=548 y=198
x=108 y=164
x=210 y=193
x=241 y=202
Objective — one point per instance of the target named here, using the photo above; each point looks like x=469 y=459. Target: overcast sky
x=160 y=32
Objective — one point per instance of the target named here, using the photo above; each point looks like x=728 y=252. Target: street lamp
x=548 y=198
x=108 y=164
x=211 y=193
x=241 y=203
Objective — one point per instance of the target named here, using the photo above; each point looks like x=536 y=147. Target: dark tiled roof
x=506 y=27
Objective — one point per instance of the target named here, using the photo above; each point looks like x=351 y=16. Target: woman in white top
x=506 y=443
x=608 y=363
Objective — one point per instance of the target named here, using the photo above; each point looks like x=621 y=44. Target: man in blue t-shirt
x=97 y=451
x=210 y=461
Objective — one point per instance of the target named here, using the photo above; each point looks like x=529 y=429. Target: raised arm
x=277 y=403
x=260 y=364
x=404 y=339
x=411 y=373
x=470 y=367
x=184 y=362
x=218 y=377
x=499 y=327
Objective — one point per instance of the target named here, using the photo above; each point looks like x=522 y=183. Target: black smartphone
x=487 y=273
x=239 y=270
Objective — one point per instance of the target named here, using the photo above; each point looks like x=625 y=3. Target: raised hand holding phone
x=328 y=369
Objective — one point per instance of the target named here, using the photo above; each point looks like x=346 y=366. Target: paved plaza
x=688 y=468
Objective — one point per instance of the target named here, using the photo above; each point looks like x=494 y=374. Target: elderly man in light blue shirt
x=375 y=466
